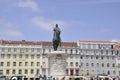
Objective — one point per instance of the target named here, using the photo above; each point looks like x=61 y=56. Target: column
x=74 y=71
x=68 y=71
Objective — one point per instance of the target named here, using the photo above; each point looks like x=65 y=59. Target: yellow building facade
x=20 y=60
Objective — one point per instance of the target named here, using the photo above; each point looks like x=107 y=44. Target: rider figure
x=57 y=30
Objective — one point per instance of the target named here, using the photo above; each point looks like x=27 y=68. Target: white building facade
x=98 y=57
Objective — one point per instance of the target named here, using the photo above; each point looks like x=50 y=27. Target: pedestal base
x=57 y=64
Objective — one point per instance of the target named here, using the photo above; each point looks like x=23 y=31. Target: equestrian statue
x=56 y=37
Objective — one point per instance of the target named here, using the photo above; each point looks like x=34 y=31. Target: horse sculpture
x=56 y=38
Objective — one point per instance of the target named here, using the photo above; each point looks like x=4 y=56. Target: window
x=44 y=56
x=113 y=57
x=108 y=72
x=14 y=55
x=49 y=50
x=77 y=72
x=119 y=72
x=89 y=46
x=8 y=63
x=9 y=49
x=26 y=49
x=76 y=51
x=20 y=71
x=37 y=72
x=87 y=72
x=66 y=63
x=107 y=57
x=14 y=63
x=77 y=57
x=106 y=51
x=8 y=55
x=102 y=64
x=118 y=65
x=81 y=57
x=21 y=50
x=7 y=71
x=87 y=64
x=108 y=65
x=66 y=72
x=76 y=63
x=97 y=64
x=20 y=63
x=112 y=52
x=65 y=50
x=112 y=47
x=117 y=52
x=38 y=56
x=2 y=64
x=71 y=63
x=92 y=64
x=71 y=56
x=94 y=46
x=13 y=72
x=15 y=49
x=81 y=64
x=95 y=51
x=71 y=51
x=91 y=57
x=26 y=71
x=26 y=55
x=38 y=49
x=43 y=51
x=44 y=63
x=26 y=63
x=32 y=71
x=32 y=63
x=32 y=49
x=114 y=72
x=101 y=51
x=3 y=49
x=38 y=63
x=32 y=56
x=96 y=57
x=2 y=55
x=113 y=65
x=20 y=55
x=102 y=57
x=87 y=57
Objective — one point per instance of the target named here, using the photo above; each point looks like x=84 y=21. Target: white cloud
x=115 y=40
x=9 y=30
x=28 y=4
x=47 y=24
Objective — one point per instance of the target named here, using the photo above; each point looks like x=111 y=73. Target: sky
x=34 y=20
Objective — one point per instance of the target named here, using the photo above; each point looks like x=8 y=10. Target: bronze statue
x=56 y=37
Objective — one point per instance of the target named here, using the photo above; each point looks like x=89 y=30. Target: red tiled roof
x=20 y=42
x=43 y=43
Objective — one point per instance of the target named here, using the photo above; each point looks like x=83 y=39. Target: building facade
x=30 y=58
x=98 y=57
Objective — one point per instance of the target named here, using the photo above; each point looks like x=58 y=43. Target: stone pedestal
x=57 y=63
